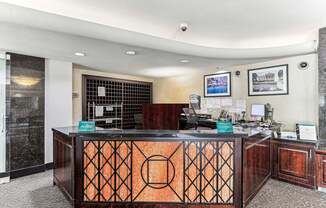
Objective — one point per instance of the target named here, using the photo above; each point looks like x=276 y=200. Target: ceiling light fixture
x=131 y=53
x=79 y=54
x=184 y=61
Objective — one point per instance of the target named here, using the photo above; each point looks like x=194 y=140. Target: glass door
x=4 y=151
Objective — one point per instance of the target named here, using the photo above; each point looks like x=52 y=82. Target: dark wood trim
x=64 y=191
x=260 y=186
x=63 y=164
x=238 y=172
x=287 y=75
x=218 y=95
x=83 y=97
x=256 y=165
x=321 y=170
x=30 y=170
x=318 y=151
x=152 y=205
x=78 y=172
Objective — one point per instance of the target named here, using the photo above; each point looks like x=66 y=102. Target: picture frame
x=272 y=80
x=218 y=85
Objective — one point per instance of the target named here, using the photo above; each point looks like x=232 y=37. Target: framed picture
x=217 y=85
x=272 y=80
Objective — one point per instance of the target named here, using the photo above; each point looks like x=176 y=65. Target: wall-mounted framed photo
x=273 y=80
x=217 y=85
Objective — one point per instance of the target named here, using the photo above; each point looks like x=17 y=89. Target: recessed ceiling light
x=79 y=54
x=184 y=61
x=131 y=53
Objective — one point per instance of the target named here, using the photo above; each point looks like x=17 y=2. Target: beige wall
x=301 y=105
x=78 y=71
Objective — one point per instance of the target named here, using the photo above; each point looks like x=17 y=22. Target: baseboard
x=49 y=166
x=30 y=170
x=3 y=175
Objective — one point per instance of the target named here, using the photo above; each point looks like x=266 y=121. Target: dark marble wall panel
x=26 y=111
x=322 y=83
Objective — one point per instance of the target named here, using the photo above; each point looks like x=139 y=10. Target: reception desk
x=159 y=168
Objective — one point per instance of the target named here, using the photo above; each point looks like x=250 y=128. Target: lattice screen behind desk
x=132 y=93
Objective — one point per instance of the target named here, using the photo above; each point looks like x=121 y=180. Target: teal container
x=224 y=127
x=86 y=126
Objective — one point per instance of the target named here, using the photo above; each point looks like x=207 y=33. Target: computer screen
x=258 y=110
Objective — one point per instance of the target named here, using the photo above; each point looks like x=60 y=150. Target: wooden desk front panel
x=63 y=164
x=321 y=170
x=159 y=172
x=294 y=163
x=256 y=165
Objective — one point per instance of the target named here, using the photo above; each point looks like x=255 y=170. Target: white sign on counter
x=306 y=132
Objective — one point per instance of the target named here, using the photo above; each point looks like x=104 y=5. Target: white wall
x=79 y=71
x=58 y=100
x=2 y=113
x=301 y=105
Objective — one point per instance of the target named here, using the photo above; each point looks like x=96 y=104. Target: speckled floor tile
x=37 y=191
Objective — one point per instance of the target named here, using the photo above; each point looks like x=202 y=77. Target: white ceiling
x=104 y=55
x=225 y=32
x=215 y=25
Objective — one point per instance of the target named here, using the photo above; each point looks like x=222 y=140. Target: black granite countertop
x=321 y=146
x=238 y=132
x=287 y=139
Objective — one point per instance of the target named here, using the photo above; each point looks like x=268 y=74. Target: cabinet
x=162 y=116
x=293 y=162
x=321 y=169
x=256 y=165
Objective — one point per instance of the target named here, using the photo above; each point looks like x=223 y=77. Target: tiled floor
x=277 y=194
x=36 y=191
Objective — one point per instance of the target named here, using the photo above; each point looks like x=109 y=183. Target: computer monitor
x=257 y=110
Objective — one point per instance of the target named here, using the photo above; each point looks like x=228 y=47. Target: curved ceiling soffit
x=75 y=26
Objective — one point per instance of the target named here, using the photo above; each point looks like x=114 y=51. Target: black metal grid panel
x=134 y=96
x=110 y=179
x=106 y=170
x=113 y=95
x=91 y=178
x=209 y=172
x=123 y=178
x=225 y=161
x=192 y=171
x=131 y=93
